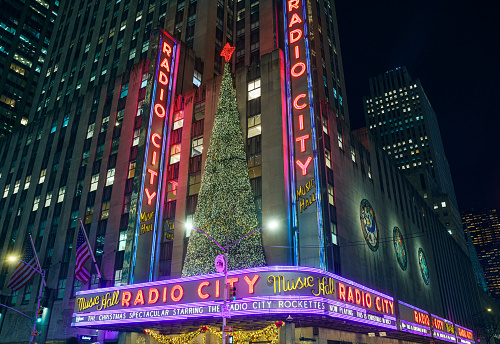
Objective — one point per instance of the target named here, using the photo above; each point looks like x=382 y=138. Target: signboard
x=87 y=338
x=414 y=320
x=443 y=329
x=264 y=290
x=464 y=335
x=148 y=216
x=301 y=141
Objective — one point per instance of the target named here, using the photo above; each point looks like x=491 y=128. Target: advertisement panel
x=443 y=329
x=464 y=335
x=414 y=320
x=265 y=290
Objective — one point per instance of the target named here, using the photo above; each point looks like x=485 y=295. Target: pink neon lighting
x=302 y=140
x=303 y=166
x=296 y=102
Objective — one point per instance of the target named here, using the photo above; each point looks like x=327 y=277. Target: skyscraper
x=400 y=116
x=25 y=31
x=484 y=228
x=118 y=137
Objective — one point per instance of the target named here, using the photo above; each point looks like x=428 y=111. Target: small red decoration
x=204 y=328
x=278 y=324
x=227 y=52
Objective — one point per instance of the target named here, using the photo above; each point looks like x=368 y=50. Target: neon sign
x=443 y=329
x=152 y=173
x=301 y=135
x=464 y=336
x=414 y=320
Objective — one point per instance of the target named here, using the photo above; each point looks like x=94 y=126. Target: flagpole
x=90 y=249
x=36 y=257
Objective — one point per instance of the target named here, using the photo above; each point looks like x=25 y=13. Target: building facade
x=402 y=119
x=24 y=42
x=483 y=226
x=344 y=210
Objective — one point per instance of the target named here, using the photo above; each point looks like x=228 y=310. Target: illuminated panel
x=464 y=335
x=443 y=329
x=152 y=174
x=414 y=320
x=302 y=150
x=264 y=290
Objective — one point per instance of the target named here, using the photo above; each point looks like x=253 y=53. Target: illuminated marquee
x=301 y=135
x=443 y=329
x=152 y=174
x=414 y=320
x=265 y=290
x=464 y=336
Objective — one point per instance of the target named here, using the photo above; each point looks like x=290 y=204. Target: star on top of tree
x=227 y=52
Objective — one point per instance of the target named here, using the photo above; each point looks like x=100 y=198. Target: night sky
x=452 y=47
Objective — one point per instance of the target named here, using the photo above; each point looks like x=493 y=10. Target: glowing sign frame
x=166 y=75
x=409 y=324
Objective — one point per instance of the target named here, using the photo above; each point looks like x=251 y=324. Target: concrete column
x=287 y=334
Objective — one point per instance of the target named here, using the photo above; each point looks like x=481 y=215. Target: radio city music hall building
x=117 y=138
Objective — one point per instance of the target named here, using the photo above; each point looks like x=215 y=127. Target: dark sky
x=452 y=47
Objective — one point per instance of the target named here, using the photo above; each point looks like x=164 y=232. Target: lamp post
x=225 y=249
x=42 y=273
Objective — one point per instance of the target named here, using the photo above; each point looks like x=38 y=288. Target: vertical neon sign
x=149 y=211
x=302 y=153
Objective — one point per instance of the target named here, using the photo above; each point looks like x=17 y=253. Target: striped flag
x=82 y=255
x=25 y=270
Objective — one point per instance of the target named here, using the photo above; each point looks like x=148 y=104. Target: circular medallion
x=369 y=224
x=220 y=263
x=399 y=248
x=422 y=262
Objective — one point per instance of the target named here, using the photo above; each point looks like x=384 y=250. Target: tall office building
x=25 y=31
x=484 y=228
x=118 y=137
x=402 y=119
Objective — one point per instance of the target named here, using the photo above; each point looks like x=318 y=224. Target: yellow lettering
x=83 y=303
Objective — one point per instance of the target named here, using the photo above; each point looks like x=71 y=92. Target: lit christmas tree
x=225 y=209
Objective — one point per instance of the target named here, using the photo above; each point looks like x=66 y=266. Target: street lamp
x=189 y=226
x=42 y=273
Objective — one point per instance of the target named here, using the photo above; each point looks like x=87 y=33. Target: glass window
x=16 y=186
x=331 y=194
x=105 y=210
x=104 y=124
x=60 y=196
x=341 y=140
x=131 y=169
x=122 y=241
x=140 y=103
x=118 y=278
x=93 y=182
x=199 y=112
x=6 y=190
x=124 y=90
x=353 y=154
x=443 y=204
x=88 y=214
x=328 y=158
x=197 y=146
x=110 y=176
x=175 y=153
x=333 y=230
x=42 y=176
x=172 y=190
x=137 y=134
x=144 y=80
x=27 y=183
x=90 y=130
x=194 y=184
x=254 y=89
x=178 y=120
x=325 y=125
x=254 y=126
x=61 y=286
x=36 y=202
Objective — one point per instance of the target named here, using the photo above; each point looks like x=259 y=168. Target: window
x=331 y=194
x=333 y=230
x=131 y=169
x=328 y=159
x=89 y=211
x=6 y=191
x=61 y=286
x=60 y=196
x=175 y=153
x=194 y=184
x=124 y=90
x=119 y=117
x=27 y=183
x=197 y=78
x=140 y=103
x=93 y=182
x=178 y=120
x=199 y=111
x=42 y=176
x=16 y=186
x=104 y=124
x=197 y=146
x=325 y=125
x=172 y=190
x=144 y=81
x=126 y=203
x=65 y=120
x=105 y=210
x=122 y=241
x=254 y=89
x=341 y=140
x=90 y=130
x=118 y=278
x=254 y=126
x=137 y=134
x=353 y=154
x=48 y=199
x=36 y=202
x=110 y=176
x=131 y=54
x=443 y=204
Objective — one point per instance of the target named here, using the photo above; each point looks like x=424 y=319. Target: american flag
x=23 y=272
x=82 y=254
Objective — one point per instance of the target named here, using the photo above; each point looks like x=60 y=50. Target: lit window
x=436 y=206
x=145 y=46
x=90 y=130
x=328 y=158
x=178 y=120
x=124 y=89
x=122 y=241
x=93 y=182
x=254 y=126
x=137 y=134
x=194 y=184
x=131 y=169
x=126 y=203
x=42 y=176
x=325 y=125
x=36 y=201
x=144 y=80
x=119 y=117
x=104 y=124
x=353 y=154
x=175 y=153
x=340 y=139
x=48 y=198
x=110 y=176
x=105 y=210
x=118 y=278
x=60 y=196
x=131 y=55
x=6 y=191
x=123 y=25
x=27 y=183
x=16 y=186
x=65 y=120
x=333 y=230
x=443 y=204
x=331 y=194
x=254 y=89
x=172 y=190
x=89 y=211
x=197 y=146
x=197 y=78
x=199 y=111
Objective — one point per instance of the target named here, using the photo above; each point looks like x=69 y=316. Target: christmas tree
x=225 y=209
